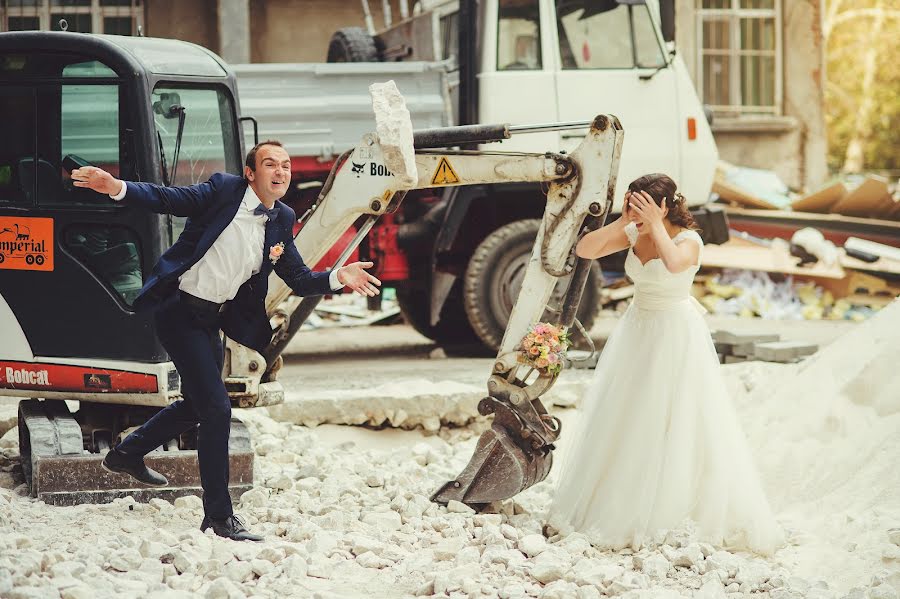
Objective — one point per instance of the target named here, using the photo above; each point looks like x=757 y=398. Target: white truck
x=514 y=61
x=462 y=63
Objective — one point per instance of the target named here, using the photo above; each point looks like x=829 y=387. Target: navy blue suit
x=192 y=339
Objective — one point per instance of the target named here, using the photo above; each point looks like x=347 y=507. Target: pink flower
x=276 y=251
x=541 y=363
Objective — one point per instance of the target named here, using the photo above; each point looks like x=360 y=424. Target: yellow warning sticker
x=444 y=174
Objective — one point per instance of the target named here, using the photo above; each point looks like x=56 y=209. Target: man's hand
x=356 y=278
x=97 y=179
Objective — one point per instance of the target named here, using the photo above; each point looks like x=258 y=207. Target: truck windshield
x=603 y=34
x=206 y=143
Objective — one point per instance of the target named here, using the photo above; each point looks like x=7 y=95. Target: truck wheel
x=494 y=277
x=352 y=44
x=452 y=328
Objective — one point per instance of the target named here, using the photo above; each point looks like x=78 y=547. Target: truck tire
x=452 y=328
x=494 y=277
x=352 y=44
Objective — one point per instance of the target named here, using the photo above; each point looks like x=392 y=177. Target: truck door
x=610 y=59
x=516 y=77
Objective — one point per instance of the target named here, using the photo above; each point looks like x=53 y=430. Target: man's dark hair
x=251 y=155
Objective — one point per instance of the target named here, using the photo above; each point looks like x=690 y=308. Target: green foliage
x=853 y=35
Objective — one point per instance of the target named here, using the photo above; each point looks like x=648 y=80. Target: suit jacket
x=209 y=208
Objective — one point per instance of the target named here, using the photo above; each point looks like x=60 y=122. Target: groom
x=216 y=277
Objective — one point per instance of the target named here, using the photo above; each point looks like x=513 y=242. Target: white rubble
x=347 y=513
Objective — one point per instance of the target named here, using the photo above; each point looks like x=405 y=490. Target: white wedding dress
x=659 y=445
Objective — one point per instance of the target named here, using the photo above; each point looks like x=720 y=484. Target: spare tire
x=494 y=277
x=352 y=44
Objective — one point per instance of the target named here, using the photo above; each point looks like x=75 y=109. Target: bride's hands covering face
x=643 y=211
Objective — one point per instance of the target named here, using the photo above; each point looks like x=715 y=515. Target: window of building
x=607 y=35
x=519 y=35
x=740 y=56
x=113 y=17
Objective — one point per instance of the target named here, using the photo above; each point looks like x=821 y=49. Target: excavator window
x=62 y=111
x=196 y=137
x=18 y=106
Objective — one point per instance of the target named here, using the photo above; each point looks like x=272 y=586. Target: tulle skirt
x=660 y=445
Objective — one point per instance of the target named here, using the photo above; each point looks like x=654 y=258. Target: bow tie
x=271 y=213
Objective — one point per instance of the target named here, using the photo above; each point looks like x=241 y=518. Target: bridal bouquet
x=544 y=347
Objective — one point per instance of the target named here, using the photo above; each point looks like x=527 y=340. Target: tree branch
x=858 y=13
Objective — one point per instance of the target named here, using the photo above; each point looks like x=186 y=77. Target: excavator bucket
x=62 y=466
x=506 y=461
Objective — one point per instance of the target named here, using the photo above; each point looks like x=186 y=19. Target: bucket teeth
x=503 y=465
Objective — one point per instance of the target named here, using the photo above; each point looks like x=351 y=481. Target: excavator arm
x=373 y=178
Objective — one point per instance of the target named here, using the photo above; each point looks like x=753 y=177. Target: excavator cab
x=72 y=261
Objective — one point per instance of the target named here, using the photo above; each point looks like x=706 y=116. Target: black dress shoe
x=230 y=528
x=116 y=461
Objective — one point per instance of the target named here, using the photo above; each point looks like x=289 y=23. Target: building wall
x=299 y=30
x=794 y=143
x=193 y=21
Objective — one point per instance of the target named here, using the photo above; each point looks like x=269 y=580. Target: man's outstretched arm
x=178 y=201
x=305 y=281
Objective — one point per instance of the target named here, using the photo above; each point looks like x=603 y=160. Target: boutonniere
x=276 y=251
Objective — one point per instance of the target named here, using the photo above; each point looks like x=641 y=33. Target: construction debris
x=749 y=187
x=345 y=510
x=351 y=310
x=738 y=347
x=748 y=293
x=870 y=197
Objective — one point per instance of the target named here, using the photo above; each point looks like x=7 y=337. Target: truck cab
x=526 y=62
x=532 y=61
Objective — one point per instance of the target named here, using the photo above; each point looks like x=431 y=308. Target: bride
x=660 y=444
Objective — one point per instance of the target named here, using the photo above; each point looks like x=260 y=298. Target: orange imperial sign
x=26 y=243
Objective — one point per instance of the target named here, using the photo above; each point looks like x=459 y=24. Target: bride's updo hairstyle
x=660 y=187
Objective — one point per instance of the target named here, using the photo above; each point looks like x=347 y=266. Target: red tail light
x=692 y=128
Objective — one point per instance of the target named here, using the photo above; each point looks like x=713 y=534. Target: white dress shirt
x=234 y=257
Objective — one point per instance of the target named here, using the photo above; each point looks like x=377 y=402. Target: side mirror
x=168 y=105
x=667 y=19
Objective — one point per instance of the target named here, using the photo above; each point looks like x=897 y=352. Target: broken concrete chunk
x=784 y=351
x=735 y=359
x=743 y=338
x=394 y=128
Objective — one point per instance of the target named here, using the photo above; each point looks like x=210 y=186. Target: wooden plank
x=822 y=200
x=865 y=200
x=859 y=283
x=764 y=259
x=732 y=194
